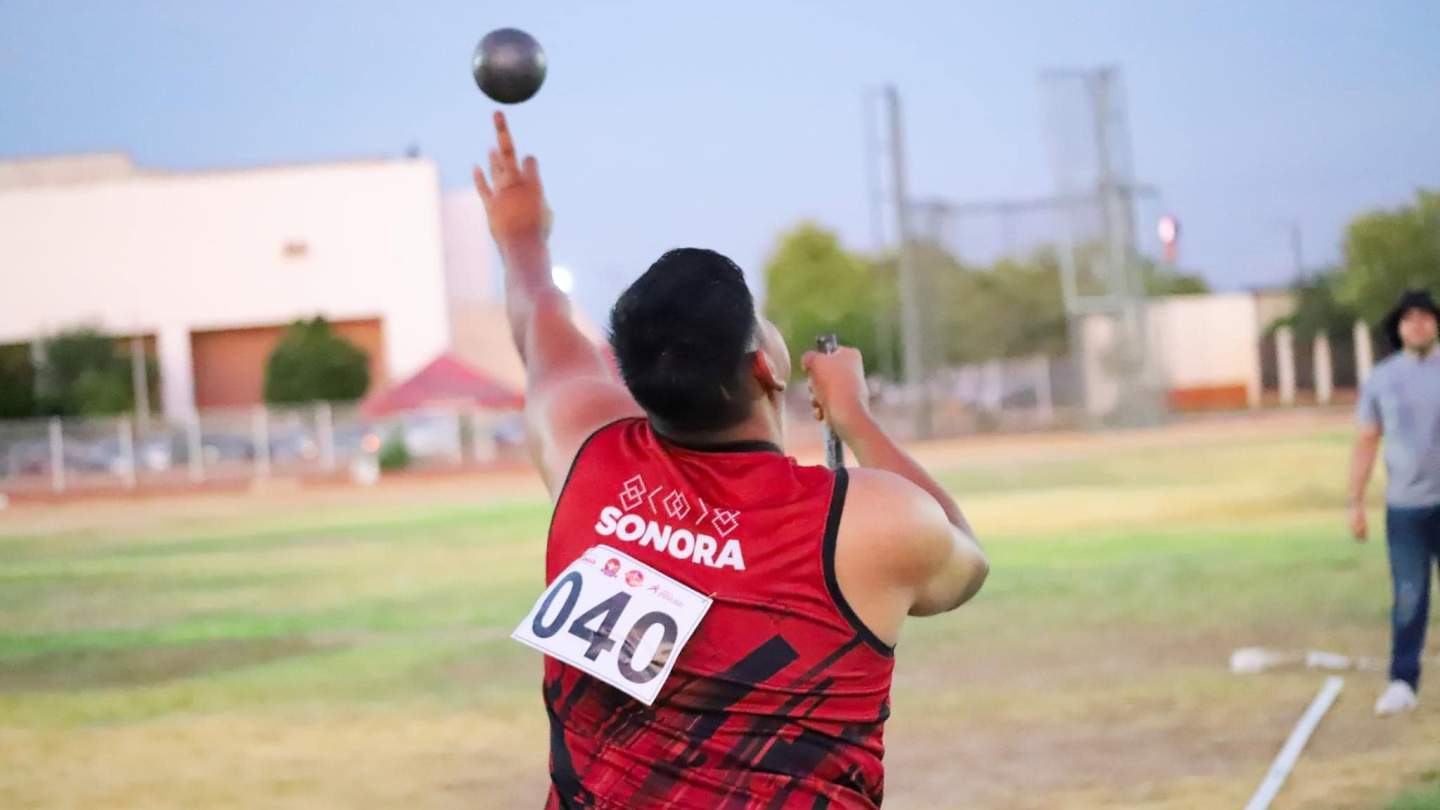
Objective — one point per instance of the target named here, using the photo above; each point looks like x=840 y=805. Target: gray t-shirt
x=1402 y=396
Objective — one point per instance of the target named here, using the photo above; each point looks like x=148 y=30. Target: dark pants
x=1413 y=535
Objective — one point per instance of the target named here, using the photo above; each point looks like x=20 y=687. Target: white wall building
x=1208 y=347
x=213 y=264
x=1204 y=351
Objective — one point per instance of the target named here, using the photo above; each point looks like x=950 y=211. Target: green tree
x=17 y=382
x=394 y=453
x=938 y=280
x=964 y=324
x=1387 y=252
x=1013 y=308
x=970 y=315
x=1161 y=280
x=814 y=286
x=1318 y=308
x=312 y=363
x=87 y=373
x=1031 y=291
x=1156 y=279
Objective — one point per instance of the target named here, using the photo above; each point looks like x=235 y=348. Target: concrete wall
x=65 y=169
x=1272 y=305
x=470 y=273
x=1207 y=347
x=1099 y=336
x=1204 y=352
x=168 y=254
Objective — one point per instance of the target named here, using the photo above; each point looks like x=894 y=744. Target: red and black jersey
x=780 y=698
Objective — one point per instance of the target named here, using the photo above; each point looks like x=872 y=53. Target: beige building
x=1203 y=351
x=210 y=266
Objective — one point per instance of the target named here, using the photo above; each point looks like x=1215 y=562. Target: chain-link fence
x=1064 y=274
x=324 y=439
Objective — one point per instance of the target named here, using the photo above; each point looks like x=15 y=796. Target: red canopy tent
x=446 y=380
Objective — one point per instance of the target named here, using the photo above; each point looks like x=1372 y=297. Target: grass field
x=348 y=649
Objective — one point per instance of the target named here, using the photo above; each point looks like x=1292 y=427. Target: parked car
x=431 y=435
x=25 y=457
x=296 y=444
x=218 y=447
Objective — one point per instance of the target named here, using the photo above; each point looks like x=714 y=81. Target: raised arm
x=910 y=537
x=569 y=389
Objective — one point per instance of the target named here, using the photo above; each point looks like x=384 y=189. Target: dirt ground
x=1091 y=673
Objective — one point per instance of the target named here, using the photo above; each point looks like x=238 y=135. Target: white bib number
x=616 y=619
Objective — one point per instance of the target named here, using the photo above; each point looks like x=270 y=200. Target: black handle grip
x=834 y=450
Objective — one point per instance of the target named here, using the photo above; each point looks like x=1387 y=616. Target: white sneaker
x=1398 y=697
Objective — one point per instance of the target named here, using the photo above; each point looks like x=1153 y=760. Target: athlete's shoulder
x=566 y=418
x=895 y=520
x=882 y=488
x=615 y=433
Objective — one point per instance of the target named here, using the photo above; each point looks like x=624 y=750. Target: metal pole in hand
x=834 y=450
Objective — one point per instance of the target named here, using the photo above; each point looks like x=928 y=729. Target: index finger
x=502 y=135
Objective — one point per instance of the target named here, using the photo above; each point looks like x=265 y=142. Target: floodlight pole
x=911 y=334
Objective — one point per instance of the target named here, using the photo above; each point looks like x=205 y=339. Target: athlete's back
x=776 y=696
x=779 y=698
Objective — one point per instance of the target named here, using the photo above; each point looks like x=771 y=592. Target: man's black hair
x=1411 y=299
x=683 y=334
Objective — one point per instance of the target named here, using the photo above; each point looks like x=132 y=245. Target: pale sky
x=721 y=125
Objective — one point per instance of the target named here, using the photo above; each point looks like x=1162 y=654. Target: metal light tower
x=912 y=337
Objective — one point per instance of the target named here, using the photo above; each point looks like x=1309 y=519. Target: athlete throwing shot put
x=719 y=620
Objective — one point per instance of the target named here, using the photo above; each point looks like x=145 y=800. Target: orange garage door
x=229 y=364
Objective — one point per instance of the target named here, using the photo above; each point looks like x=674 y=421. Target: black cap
x=1412 y=299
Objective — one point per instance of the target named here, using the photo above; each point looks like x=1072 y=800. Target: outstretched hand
x=513 y=196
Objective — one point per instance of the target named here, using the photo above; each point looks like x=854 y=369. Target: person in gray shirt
x=1401 y=401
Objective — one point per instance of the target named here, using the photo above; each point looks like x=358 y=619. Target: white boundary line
x=1285 y=760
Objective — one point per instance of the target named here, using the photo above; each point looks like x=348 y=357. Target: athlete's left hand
x=514 y=198
x=838 y=393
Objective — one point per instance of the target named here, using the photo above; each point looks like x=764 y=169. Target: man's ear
x=764 y=372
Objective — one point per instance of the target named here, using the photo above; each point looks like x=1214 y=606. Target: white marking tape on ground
x=1285 y=760
x=1250 y=660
